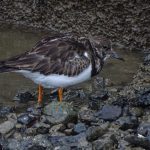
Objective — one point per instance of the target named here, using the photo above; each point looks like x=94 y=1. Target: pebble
x=57 y=113
x=109 y=112
x=25 y=119
x=78 y=128
x=94 y=132
x=127 y=122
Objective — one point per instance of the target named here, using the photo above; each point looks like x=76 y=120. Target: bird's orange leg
x=60 y=94
x=40 y=94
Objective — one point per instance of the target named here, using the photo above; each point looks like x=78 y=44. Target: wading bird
x=61 y=61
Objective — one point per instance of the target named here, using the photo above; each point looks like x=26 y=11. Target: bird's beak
x=116 y=56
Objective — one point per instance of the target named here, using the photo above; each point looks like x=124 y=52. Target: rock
x=109 y=112
x=127 y=122
x=5 y=110
x=34 y=111
x=57 y=113
x=25 y=119
x=70 y=125
x=106 y=142
x=147 y=58
x=55 y=130
x=24 y=96
x=37 y=147
x=7 y=127
x=144 y=99
x=71 y=142
x=42 y=130
x=30 y=131
x=144 y=129
x=136 y=111
x=97 y=98
x=95 y=132
x=68 y=131
x=78 y=128
x=86 y=115
x=138 y=141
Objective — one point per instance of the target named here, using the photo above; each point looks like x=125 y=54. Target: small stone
x=42 y=130
x=55 y=130
x=5 y=110
x=109 y=112
x=30 y=131
x=95 y=132
x=6 y=127
x=23 y=96
x=37 y=147
x=136 y=111
x=70 y=125
x=78 y=128
x=68 y=131
x=127 y=122
x=25 y=119
x=144 y=129
x=57 y=113
x=86 y=116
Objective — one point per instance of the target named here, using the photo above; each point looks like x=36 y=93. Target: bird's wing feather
x=53 y=56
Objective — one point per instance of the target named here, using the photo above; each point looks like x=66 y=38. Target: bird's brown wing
x=53 y=56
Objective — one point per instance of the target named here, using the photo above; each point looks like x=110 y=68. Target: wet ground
x=13 y=42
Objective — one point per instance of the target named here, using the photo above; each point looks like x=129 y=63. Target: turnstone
x=61 y=61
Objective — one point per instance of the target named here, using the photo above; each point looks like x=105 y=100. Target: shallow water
x=13 y=42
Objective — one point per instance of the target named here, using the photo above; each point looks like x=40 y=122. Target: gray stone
x=95 y=132
x=57 y=113
x=7 y=127
x=80 y=127
x=109 y=112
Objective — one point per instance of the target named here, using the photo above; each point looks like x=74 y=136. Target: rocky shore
x=108 y=118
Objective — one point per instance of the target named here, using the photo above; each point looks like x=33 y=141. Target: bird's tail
x=4 y=67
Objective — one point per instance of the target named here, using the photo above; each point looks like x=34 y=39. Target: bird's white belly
x=55 y=80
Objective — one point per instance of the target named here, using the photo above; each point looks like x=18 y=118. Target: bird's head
x=103 y=48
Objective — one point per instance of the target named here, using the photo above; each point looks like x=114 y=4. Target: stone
x=42 y=130
x=86 y=115
x=109 y=112
x=127 y=122
x=57 y=113
x=24 y=96
x=144 y=129
x=55 y=130
x=5 y=110
x=7 y=127
x=94 y=132
x=71 y=142
x=37 y=147
x=106 y=142
x=25 y=119
x=138 y=141
x=79 y=127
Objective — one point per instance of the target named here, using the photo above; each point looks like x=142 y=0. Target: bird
x=60 y=61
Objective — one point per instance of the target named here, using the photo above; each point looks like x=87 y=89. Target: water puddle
x=13 y=42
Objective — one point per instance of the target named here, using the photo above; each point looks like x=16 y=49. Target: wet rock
x=97 y=98
x=57 y=112
x=5 y=110
x=136 y=111
x=42 y=130
x=86 y=115
x=56 y=130
x=78 y=128
x=68 y=131
x=25 y=119
x=144 y=99
x=7 y=127
x=109 y=112
x=37 y=147
x=34 y=111
x=70 y=125
x=144 y=129
x=30 y=131
x=127 y=122
x=95 y=132
x=138 y=141
x=71 y=142
x=106 y=142
x=24 y=96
